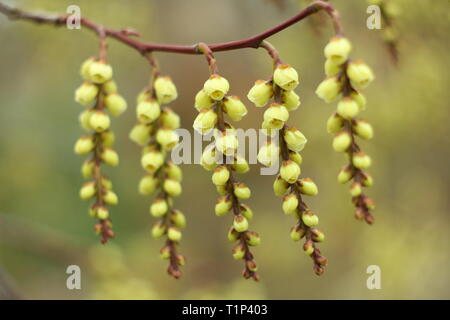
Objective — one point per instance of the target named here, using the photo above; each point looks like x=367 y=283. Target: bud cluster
x=291 y=141
x=345 y=80
x=221 y=157
x=155 y=131
x=100 y=96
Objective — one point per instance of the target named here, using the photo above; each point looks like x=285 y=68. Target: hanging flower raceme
x=221 y=157
x=345 y=80
x=280 y=89
x=156 y=133
x=99 y=94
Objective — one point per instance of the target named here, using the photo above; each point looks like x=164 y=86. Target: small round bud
x=233 y=235
x=100 y=72
x=209 y=158
x=285 y=77
x=164 y=253
x=110 y=157
x=152 y=160
x=361 y=160
x=276 y=115
x=205 y=121
x=290 y=204
x=172 y=187
x=84 y=145
x=158 y=230
x=310 y=219
x=216 y=87
x=342 y=141
x=111 y=198
x=291 y=100
x=296 y=157
x=165 y=90
x=328 y=89
x=159 y=208
x=280 y=186
x=308 y=187
x=338 y=49
x=203 y=100
x=345 y=175
x=178 y=218
x=86 y=93
x=221 y=176
x=363 y=129
x=167 y=138
x=331 y=67
x=115 y=103
x=238 y=252
x=170 y=119
x=308 y=247
x=347 y=108
x=107 y=137
x=173 y=171
x=88 y=190
x=227 y=143
x=140 y=134
x=253 y=238
x=240 y=223
x=143 y=95
x=260 y=93
x=240 y=165
x=234 y=108
x=268 y=154
x=246 y=211
x=355 y=189
x=222 y=190
x=84 y=118
x=102 y=213
x=297 y=233
x=317 y=235
x=107 y=184
x=87 y=169
x=367 y=180
x=360 y=99
x=99 y=121
x=335 y=123
x=360 y=74
x=84 y=70
x=148 y=111
x=290 y=171
x=223 y=205
x=174 y=234
x=148 y=184
x=241 y=191
x=294 y=139
x=110 y=87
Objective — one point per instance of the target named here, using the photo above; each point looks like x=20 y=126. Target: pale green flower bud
x=361 y=160
x=291 y=100
x=159 y=208
x=290 y=171
x=240 y=223
x=178 y=218
x=107 y=184
x=173 y=171
x=317 y=235
x=100 y=72
x=172 y=187
x=107 y=138
x=167 y=138
x=158 y=230
x=148 y=111
x=208 y=159
x=269 y=129
x=280 y=187
x=296 y=157
x=221 y=176
x=227 y=143
x=360 y=74
x=110 y=87
x=87 y=169
x=84 y=145
x=234 y=108
x=84 y=70
x=285 y=77
x=276 y=115
x=88 y=190
x=345 y=175
x=111 y=198
x=241 y=191
x=268 y=154
x=223 y=205
x=140 y=134
x=233 y=235
x=240 y=165
x=205 y=121
x=331 y=67
x=363 y=129
x=360 y=99
x=143 y=95
x=86 y=93
x=294 y=139
x=238 y=252
x=170 y=119
x=290 y=204
x=164 y=253
x=203 y=100
x=102 y=213
x=328 y=89
x=110 y=157
x=297 y=233
x=99 y=121
x=165 y=90
x=308 y=247
x=84 y=119
x=342 y=141
x=347 y=108
x=260 y=93
x=148 y=184
x=222 y=190
x=338 y=49
x=115 y=103
x=253 y=238
x=355 y=189
x=308 y=187
x=216 y=87
x=310 y=219
x=367 y=180
x=174 y=234
x=152 y=160
x=335 y=123
x=246 y=211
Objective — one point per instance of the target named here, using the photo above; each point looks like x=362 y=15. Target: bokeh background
x=44 y=227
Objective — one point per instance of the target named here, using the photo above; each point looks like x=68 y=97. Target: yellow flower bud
x=221 y=176
x=308 y=247
x=167 y=138
x=100 y=72
x=107 y=184
x=233 y=235
x=308 y=187
x=115 y=103
x=355 y=189
x=360 y=99
x=203 y=100
x=152 y=160
x=86 y=93
x=84 y=119
x=285 y=77
x=253 y=238
x=173 y=171
x=87 y=169
x=159 y=208
x=84 y=145
x=148 y=184
x=102 y=213
x=342 y=141
x=205 y=121
x=84 y=71
x=99 y=121
x=268 y=154
x=227 y=143
x=234 y=108
x=241 y=191
x=223 y=205
x=367 y=180
x=208 y=159
x=140 y=134
x=347 y=108
x=111 y=198
x=329 y=89
x=276 y=115
x=331 y=67
x=222 y=190
x=290 y=171
x=216 y=87
x=164 y=253
x=363 y=129
x=345 y=175
x=360 y=74
x=246 y=211
x=296 y=157
x=295 y=140
x=143 y=95
x=310 y=219
x=240 y=223
x=172 y=187
x=174 y=234
x=158 y=230
x=290 y=204
x=297 y=233
x=280 y=186
x=88 y=190
x=317 y=235
x=291 y=100
x=260 y=93
x=335 y=123
x=107 y=138
x=178 y=218
x=361 y=160
x=238 y=252
x=338 y=49
x=170 y=119
x=110 y=87
x=110 y=157
x=240 y=165
x=148 y=111
x=165 y=90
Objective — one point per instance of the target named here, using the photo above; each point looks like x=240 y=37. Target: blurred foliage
x=408 y=106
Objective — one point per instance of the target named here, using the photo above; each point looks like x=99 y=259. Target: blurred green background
x=44 y=227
